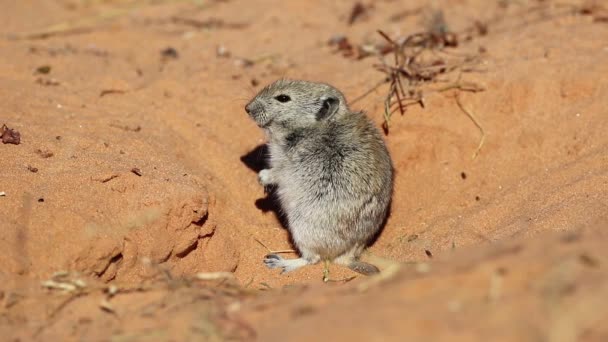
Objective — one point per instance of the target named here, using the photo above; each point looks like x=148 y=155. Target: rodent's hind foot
x=363 y=268
x=287 y=265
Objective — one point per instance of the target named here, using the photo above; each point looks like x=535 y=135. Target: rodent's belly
x=302 y=198
x=326 y=226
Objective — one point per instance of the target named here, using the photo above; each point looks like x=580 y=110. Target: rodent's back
x=351 y=156
x=337 y=175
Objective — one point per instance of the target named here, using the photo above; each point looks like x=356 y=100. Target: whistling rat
x=333 y=173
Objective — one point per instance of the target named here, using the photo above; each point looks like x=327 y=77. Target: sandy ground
x=135 y=177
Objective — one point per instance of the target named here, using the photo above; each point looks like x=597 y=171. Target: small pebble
x=222 y=51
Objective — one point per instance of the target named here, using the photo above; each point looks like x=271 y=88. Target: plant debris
x=127 y=128
x=214 y=275
x=169 y=53
x=243 y=62
x=342 y=45
x=418 y=60
x=111 y=91
x=588 y=260
x=404 y=14
x=70 y=286
x=47 y=81
x=45 y=153
x=104 y=178
x=10 y=136
x=208 y=24
x=358 y=12
x=43 y=69
x=438 y=33
x=106 y=306
x=595 y=10
x=474 y=119
x=67 y=49
x=347 y=49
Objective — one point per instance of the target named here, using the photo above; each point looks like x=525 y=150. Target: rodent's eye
x=282 y=98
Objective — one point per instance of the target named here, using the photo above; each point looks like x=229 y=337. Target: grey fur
x=333 y=173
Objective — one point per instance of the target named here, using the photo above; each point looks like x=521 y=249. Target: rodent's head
x=290 y=104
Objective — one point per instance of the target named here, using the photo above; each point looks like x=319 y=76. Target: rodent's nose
x=252 y=108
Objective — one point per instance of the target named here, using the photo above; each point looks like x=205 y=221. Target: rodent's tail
x=363 y=268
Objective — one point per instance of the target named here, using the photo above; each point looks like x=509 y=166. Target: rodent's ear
x=328 y=108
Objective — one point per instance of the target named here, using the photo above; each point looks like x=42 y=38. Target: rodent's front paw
x=265 y=177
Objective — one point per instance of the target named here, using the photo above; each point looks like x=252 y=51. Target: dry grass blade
x=472 y=117
x=88 y=24
x=464 y=86
x=371 y=90
x=82 y=25
x=214 y=275
x=388 y=39
x=272 y=251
